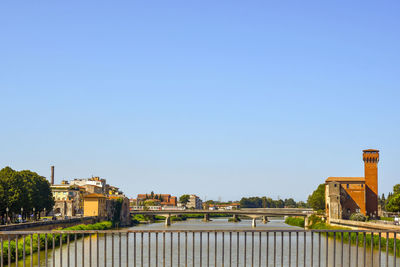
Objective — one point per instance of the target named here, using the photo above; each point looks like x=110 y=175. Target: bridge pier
x=235 y=218
x=206 y=217
x=167 y=220
x=253 y=224
x=306 y=222
x=265 y=219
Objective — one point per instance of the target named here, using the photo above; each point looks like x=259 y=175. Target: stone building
x=347 y=195
x=68 y=200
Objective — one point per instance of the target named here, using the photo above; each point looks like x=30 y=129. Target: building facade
x=163 y=200
x=95 y=205
x=194 y=203
x=347 y=195
x=68 y=199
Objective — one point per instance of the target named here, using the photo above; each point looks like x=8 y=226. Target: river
x=215 y=224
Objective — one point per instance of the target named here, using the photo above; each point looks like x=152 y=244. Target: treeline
x=267 y=202
x=392 y=203
x=23 y=191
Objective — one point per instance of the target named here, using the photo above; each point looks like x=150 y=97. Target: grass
x=390 y=219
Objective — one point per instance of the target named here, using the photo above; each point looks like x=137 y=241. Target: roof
x=115 y=197
x=345 y=179
x=371 y=150
x=94 y=195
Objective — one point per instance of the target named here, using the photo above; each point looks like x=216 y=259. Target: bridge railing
x=200 y=248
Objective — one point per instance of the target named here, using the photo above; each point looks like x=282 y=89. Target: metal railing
x=200 y=248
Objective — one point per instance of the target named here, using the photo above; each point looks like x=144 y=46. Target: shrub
x=295 y=221
x=358 y=217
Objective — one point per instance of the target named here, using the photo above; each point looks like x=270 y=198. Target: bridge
x=252 y=213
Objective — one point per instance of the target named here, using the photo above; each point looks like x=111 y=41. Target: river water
x=83 y=248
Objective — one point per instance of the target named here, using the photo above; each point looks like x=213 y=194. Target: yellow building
x=95 y=205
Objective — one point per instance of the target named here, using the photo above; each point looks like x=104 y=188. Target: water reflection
x=238 y=248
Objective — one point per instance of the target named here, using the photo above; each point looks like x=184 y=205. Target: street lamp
x=7 y=215
x=34 y=213
x=22 y=212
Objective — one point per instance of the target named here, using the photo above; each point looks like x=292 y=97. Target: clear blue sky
x=223 y=99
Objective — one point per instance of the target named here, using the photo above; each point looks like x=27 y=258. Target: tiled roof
x=345 y=179
x=94 y=195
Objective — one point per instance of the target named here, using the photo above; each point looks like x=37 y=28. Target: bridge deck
x=257 y=212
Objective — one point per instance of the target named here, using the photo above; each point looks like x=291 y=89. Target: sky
x=223 y=99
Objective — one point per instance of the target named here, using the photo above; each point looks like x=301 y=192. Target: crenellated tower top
x=371 y=156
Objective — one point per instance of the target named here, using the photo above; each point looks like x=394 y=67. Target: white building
x=194 y=203
x=92 y=182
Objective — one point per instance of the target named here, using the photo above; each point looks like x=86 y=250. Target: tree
x=394 y=204
x=317 y=199
x=290 y=203
x=382 y=201
x=24 y=189
x=302 y=204
x=184 y=199
x=396 y=189
x=251 y=202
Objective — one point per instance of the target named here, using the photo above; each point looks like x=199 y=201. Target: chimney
x=52 y=175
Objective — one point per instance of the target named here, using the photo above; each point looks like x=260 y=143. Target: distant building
x=165 y=200
x=347 y=195
x=91 y=183
x=68 y=199
x=194 y=202
x=95 y=205
x=114 y=191
x=228 y=206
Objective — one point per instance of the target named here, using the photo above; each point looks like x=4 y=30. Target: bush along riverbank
x=35 y=243
x=316 y=223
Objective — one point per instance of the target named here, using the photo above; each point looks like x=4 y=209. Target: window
x=348 y=186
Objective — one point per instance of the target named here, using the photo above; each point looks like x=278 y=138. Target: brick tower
x=371 y=159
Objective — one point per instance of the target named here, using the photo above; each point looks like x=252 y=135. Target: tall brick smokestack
x=52 y=175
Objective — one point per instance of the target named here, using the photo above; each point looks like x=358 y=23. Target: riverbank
x=36 y=241
x=316 y=223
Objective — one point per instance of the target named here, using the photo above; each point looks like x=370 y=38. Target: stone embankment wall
x=48 y=225
x=365 y=225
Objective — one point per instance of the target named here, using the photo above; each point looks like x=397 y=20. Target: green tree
x=317 y=199
x=301 y=204
x=251 y=202
x=290 y=203
x=394 y=204
x=396 y=189
x=184 y=199
x=24 y=189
